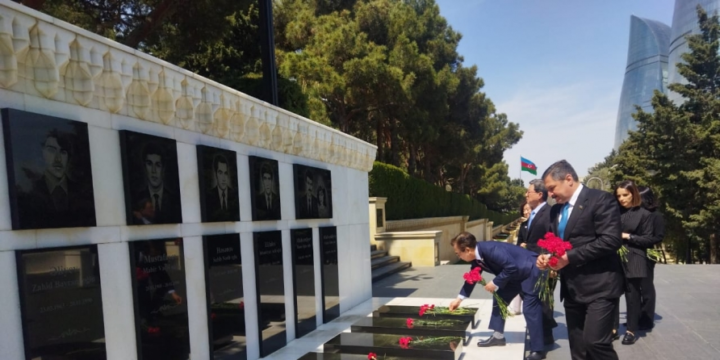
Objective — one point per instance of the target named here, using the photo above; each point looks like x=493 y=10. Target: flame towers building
x=653 y=52
x=646 y=71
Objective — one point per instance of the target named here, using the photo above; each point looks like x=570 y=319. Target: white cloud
x=575 y=122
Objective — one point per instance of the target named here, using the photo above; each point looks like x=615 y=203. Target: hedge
x=412 y=198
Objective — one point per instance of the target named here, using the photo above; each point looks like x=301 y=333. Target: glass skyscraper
x=685 y=22
x=646 y=71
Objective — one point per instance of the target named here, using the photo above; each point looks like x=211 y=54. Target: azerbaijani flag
x=528 y=166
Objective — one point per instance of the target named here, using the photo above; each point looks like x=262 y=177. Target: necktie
x=157 y=204
x=224 y=201
x=267 y=201
x=563 y=220
x=60 y=199
x=532 y=215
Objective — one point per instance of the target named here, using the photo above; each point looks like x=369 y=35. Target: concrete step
x=382 y=261
x=378 y=254
x=382 y=272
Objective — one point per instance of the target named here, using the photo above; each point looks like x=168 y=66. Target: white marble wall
x=111 y=87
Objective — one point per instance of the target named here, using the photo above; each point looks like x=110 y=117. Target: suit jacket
x=261 y=211
x=522 y=233
x=637 y=222
x=538 y=228
x=509 y=264
x=303 y=208
x=593 y=229
x=170 y=210
x=37 y=209
x=213 y=210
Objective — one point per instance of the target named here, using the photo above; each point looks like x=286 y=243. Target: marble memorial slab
x=159 y=294
x=428 y=347
x=425 y=326
x=61 y=303
x=226 y=302
x=343 y=356
x=463 y=313
x=304 y=281
x=270 y=291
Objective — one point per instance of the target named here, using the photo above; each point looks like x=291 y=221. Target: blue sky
x=555 y=67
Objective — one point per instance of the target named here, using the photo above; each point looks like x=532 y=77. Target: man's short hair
x=62 y=139
x=220 y=159
x=266 y=169
x=153 y=149
x=539 y=187
x=559 y=170
x=464 y=240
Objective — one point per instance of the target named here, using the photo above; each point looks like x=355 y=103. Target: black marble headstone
x=61 y=303
x=226 y=302
x=159 y=291
x=426 y=347
x=330 y=282
x=304 y=281
x=270 y=291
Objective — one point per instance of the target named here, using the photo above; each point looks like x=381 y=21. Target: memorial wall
x=149 y=213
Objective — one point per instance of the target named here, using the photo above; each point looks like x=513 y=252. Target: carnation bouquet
x=556 y=247
x=474 y=276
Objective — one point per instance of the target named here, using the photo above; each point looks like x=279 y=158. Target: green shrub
x=411 y=198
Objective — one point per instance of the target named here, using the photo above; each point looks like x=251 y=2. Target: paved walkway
x=687 y=325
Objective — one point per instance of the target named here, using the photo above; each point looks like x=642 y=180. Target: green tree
x=676 y=149
x=599 y=175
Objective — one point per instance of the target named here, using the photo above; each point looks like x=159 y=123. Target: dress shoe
x=492 y=341
x=536 y=355
x=629 y=339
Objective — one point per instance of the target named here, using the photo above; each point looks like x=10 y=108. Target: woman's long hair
x=632 y=188
x=649 y=201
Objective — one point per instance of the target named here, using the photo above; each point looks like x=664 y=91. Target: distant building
x=684 y=23
x=646 y=71
x=653 y=46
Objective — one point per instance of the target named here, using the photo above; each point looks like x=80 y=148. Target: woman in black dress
x=647 y=287
x=637 y=237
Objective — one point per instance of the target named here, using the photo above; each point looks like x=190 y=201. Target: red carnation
x=404 y=342
x=553 y=261
x=409 y=323
x=241 y=305
x=372 y=356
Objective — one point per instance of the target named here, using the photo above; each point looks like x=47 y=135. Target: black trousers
x=633 y=304
x=647 y=293
x=590 y=329
x=548 y=312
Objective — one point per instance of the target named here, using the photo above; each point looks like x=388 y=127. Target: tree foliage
x=386 y=71
x=676 y=149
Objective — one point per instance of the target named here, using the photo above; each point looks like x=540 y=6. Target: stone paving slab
x=687 y=320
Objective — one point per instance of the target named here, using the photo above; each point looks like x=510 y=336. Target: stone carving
x=109 y=86
x=162 y=101
x=8 y=60
x=185 y=111
x=204 y=113
x=138 y=95
x=60 y=62
x=222 y=118
x=40 y=65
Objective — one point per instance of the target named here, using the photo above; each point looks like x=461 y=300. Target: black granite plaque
x=61 y=303
x=270 y=291
x=329 y=274
x=313 y=193
x=226 y=302
x=218 y=180
x=404 y=312
x=49 y=175
x=304 y=281
x=346 y=356
x=161 y=317
x=418 y=326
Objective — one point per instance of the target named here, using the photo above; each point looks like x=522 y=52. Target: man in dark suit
x=308 y=205
x=165 y=201
x=55 y=200
x=515 y=273
x=591 y=273
x=538 y=225
x=221 y=202
x=267 y=202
